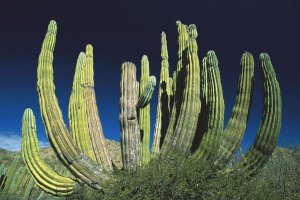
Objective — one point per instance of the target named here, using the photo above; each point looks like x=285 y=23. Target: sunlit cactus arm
x=95 y=127
x=144 y=113
x=130 y=130
x=163 y=103
x=77 y=111
x=11 y=170
x=211 y=139
x=46 y=178
x=235 y=129
x=190 y=108
x=80 y=165
x=28 y=189
x=183 y=37
x=267 y=135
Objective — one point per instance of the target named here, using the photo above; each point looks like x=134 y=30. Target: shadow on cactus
x=183 y=125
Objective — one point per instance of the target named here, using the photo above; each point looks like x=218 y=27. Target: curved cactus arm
x=83 y=113
x=46 y=178
x=130 y=130
x=212 y=136
x=163 y=103
x=187 y=121
x=95 y=127
x=235 y=129
x=11 y=170
x=267 y=136
x=77 y=111
x=144 y=113
x=183 y=37
x=80 y=165
x=146 y=96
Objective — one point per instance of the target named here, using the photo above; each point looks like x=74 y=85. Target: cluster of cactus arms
x=14 y=179
x=183 y=125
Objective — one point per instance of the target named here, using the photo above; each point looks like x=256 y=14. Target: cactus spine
x=81 y=166
x=163 y=103
x=130 y=130
x=144 y=113
x=43 y=175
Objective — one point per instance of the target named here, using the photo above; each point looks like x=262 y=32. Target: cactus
x=28 y=189
x=43 y=175
x=267 y=135
x=144 y=110
x=13 y=186
x=85 y=125
x=181 y=126
x=146 y=96
x=11 y=170
x=235 y=129
x=163 y=103
x=130 y=131
x=186 y=125
x=2 y=175
x=212 y=136
x=80 y=165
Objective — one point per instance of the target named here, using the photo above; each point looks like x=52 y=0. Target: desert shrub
x=174 y=178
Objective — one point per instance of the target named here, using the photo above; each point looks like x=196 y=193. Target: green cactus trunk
x=144 y=113
x=236 y=127
x=211 y=139
x=183 y=37
x=163 y=103
x=267 y=135
x=130 y=130
x=80 y=165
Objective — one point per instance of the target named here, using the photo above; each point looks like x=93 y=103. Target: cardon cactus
x=183 y=125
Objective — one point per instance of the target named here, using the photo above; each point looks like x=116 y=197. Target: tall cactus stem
x=163 y=103
x=235 y=129
x=212 y=136
x=144 y=113
x=80 y=165
x=130 y=130
x=269 y=129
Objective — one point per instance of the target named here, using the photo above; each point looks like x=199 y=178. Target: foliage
x=196 y=179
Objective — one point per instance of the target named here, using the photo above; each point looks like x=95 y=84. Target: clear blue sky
x=124 y=31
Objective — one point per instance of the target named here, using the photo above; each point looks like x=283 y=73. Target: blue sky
x=122 y=31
